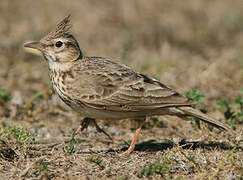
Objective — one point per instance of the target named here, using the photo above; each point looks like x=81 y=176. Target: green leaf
x=239 y=100
x=241 y=91
x=160 y=166
x=71 y=148
x=39 y=95
x=223 y=105
x=195 y=94
x=4 y=96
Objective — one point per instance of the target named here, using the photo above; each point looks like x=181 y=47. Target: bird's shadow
x=154 y=146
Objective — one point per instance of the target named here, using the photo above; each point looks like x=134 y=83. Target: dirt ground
x=185 y=44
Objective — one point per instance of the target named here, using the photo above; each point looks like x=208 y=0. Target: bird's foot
x=85 y=123
x=83 y=126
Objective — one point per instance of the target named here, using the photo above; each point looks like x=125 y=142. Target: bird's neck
x=59 y=66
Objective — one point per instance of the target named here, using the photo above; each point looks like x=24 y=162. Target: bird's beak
x=33 y=45
x=36 y=47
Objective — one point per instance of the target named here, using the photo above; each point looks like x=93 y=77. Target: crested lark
x=100 y=88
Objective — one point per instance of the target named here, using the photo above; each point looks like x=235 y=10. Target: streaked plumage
x=101 y=88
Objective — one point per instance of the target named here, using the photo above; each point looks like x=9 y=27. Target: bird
x=101 y=88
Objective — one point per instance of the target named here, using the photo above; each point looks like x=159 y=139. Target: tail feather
x=204 y=117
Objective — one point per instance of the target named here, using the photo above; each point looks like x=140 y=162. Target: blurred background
x=192 y=44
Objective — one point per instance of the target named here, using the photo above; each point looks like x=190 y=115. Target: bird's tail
x=189 y=111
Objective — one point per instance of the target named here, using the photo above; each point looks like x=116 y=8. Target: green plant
x=29 y=106
x=18 y=133
x=97 y=160
x=21 y=135
x=5 y=96
x=233 y=114
x=144 y=67
x=44 y=167
x=160 y=166
x=195 y=94
x=41 y=165
x=153 y=121
x=71 y=148
x=191 y=159
x=38 y=95
x=229 y=159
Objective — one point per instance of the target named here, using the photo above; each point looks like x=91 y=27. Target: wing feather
x=112 y=86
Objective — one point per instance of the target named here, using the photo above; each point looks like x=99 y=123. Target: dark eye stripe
x=66 y=43
x=69 y=44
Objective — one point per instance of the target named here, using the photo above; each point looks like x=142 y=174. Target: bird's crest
x=62 y=29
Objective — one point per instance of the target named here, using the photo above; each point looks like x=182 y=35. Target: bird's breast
x=60 y=86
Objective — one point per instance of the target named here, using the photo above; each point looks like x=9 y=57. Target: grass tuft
x=233 y=113
x=161 y=166
x=70 y=149
x=195 y=94
x=5 y=96
x=97 y=160
x=17 y=133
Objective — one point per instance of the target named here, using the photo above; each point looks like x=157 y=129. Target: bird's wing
x=113 y=86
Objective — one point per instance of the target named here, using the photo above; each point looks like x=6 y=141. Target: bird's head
x=59 y=46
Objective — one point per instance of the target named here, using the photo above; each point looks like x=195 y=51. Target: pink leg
x=132 y=145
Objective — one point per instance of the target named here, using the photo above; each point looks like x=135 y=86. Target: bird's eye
x=59 y=43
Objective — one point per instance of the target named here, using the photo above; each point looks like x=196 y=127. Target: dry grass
x=192 y=44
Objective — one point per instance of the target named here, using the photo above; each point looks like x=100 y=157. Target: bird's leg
x=101 y=130
x=85 y=123
x=132 y=145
